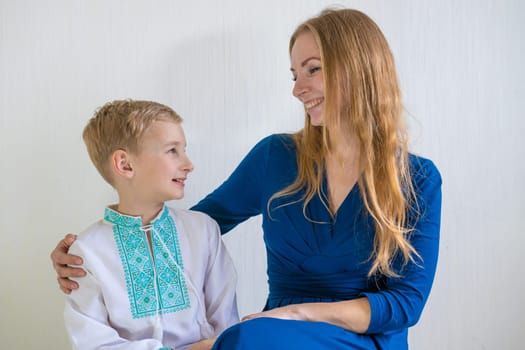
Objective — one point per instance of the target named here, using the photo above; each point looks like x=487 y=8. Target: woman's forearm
x=353 y=315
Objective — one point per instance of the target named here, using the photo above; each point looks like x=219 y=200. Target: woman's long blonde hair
x=362 y=98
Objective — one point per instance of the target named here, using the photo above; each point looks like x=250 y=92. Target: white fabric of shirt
x=98 y=315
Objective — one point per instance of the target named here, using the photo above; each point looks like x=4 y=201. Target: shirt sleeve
x=400 y=303
x=220 y=284
x=240 y=196
x=86 y=317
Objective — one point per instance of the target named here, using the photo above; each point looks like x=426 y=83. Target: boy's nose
x=188 y=165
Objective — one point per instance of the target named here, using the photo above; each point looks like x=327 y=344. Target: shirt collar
x=116 y=218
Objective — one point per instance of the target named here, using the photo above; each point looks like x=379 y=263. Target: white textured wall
x=224 y=66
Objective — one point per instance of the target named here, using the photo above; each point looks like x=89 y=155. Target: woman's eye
x=313 y=70
x=172 y=150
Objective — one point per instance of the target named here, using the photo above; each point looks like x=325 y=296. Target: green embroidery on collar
x=154 y=282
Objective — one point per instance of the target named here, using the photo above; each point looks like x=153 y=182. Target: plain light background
x=223 y=65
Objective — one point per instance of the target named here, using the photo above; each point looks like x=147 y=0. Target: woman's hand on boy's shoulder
x=61 y=261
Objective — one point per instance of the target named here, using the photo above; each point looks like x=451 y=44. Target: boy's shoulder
x=191 y=221
x=93 y=240
x=99 y=228
x=190 y=215
x=194 y=221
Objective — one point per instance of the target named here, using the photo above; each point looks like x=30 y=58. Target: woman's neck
x=345 y=151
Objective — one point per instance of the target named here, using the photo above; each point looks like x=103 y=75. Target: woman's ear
x=121 y=163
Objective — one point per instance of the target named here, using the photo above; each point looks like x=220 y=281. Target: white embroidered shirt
x=168 y=284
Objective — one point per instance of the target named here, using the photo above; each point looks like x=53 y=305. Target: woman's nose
x=300 y=87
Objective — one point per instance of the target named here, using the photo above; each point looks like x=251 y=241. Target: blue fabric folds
x=276 y=334
x=315 y=257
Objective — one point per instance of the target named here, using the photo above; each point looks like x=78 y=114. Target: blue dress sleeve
x=400 y=303
x=240 y=196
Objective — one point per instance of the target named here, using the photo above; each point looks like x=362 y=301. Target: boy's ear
x=121 y=163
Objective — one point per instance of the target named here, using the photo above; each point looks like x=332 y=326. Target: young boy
x=157 y=277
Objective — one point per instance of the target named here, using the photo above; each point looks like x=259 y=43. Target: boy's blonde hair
x=119 y=125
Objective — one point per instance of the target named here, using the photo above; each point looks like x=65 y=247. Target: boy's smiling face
x=161 y=165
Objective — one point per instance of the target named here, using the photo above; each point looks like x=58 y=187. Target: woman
x=350 y=218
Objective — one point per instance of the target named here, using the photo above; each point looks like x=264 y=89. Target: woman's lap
x=275 y=334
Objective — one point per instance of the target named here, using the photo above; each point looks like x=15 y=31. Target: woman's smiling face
x=305 y=59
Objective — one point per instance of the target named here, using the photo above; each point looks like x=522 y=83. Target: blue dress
x=325 y=259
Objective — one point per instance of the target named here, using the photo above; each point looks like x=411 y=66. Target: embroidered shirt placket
x=155 y=284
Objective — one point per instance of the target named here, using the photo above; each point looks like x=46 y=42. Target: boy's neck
x=146 y=212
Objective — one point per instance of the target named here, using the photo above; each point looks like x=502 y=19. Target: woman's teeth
x=313 y=103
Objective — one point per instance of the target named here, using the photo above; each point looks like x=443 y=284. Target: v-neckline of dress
x=344 y=203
